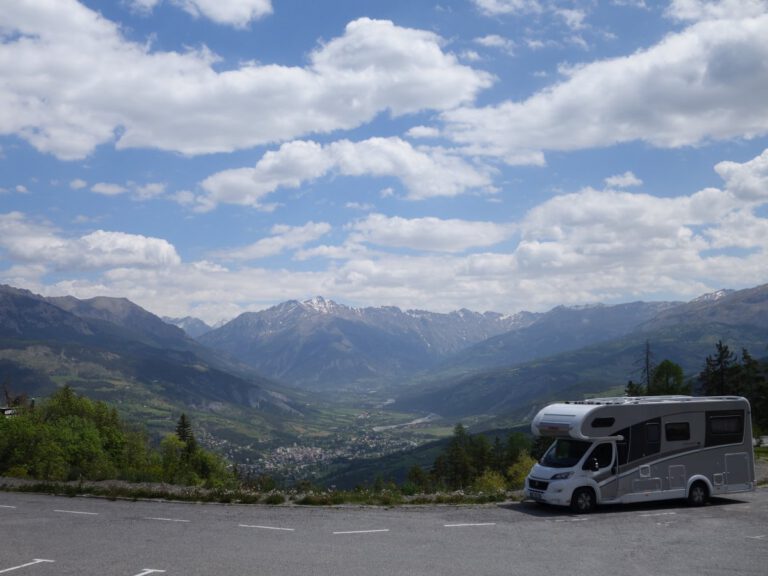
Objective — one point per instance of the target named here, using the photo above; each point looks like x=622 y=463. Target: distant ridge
x=321 y=344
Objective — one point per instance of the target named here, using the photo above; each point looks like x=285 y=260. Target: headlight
x=562 y=476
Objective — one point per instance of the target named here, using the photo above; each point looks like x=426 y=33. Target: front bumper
x=547 y=492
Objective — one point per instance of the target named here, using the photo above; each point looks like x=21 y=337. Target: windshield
x=565 y=453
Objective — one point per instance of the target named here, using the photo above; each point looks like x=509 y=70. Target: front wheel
x=583 y=501
x=698 y=494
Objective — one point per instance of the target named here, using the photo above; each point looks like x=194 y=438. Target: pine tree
x=721 y=372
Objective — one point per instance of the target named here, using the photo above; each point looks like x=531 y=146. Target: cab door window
x=602 y=455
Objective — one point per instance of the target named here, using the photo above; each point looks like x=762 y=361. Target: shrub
x=517 y=473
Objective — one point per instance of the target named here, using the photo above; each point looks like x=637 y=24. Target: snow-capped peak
x=713 y=296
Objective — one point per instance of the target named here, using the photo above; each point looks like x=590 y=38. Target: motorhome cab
x=637 y=449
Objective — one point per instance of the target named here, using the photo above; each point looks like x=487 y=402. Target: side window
x=677 y=431
x=652 y=438
x=645 y=439
x=725 y=427
x=603 y=453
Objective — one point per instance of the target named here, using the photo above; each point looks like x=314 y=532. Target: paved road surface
x=58 y=536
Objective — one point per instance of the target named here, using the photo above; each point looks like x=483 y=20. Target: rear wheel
x=698 y=494
x=583 y=501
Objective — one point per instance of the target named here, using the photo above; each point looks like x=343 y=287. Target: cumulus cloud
x=283 y=238
x=108 y=189
x=39 y=243
x=747 y=181
x=425 y=172
x=626 y=180
x=708 y=81
x=430 y=234
x=67 y=70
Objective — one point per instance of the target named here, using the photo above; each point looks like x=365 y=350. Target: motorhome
x=638 y=449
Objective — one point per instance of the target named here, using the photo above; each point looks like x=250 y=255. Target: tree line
x=474 y=463
x=724 y=373
x=70 y=437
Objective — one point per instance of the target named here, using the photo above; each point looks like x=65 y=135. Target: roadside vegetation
x=68 y=437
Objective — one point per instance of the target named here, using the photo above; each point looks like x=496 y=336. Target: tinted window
x=603 y=453
x=603 y=422
x=725 y=427
x=565 y=453
x=677 y=431
x=644 y=439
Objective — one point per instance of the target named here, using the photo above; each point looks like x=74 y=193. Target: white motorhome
x=638 y=449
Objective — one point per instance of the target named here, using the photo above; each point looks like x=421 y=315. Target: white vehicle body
x=638 y=449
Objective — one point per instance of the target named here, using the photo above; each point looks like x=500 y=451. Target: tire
x=698 y=494
x=583 y=501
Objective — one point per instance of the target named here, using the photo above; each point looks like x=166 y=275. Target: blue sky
x=208 y=157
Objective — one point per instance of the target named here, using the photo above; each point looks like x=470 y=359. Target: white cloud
x=78 y=184
x=21 y=189
x=283 y=238
x=67 y=71
x=697 y=10
x=498 y=7
x=572 y=17
x=425 y=172
x=626 y=180
x=429 y=234
x=108 y=189
x=40 y=244
x=496 y=41
x=707 y=82
x=237 y=13
x=585 y=246
x=423 y=132
x=139 y=192
x=748 y=181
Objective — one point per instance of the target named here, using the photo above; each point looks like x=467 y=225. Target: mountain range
x=323 y=345
x=269 y=377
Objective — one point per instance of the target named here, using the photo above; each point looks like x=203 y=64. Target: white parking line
x=761 y=537
x=2 y=506
x=469 y=524
x=146 y=571
x=167 y=519
x=77 y=512
x=35 y=561
x=362 y=531
x=267 y=527
x=658 y=514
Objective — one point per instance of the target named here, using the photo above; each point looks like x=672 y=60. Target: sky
x=211 y=157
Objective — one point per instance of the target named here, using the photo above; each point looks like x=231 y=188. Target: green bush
x=517 y=473
x=490 y=483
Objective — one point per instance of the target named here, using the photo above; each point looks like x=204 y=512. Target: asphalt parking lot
x=56 y=536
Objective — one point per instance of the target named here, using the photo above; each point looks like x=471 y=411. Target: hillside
x=685 y=334
x=111 y=349
x=562 y=329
